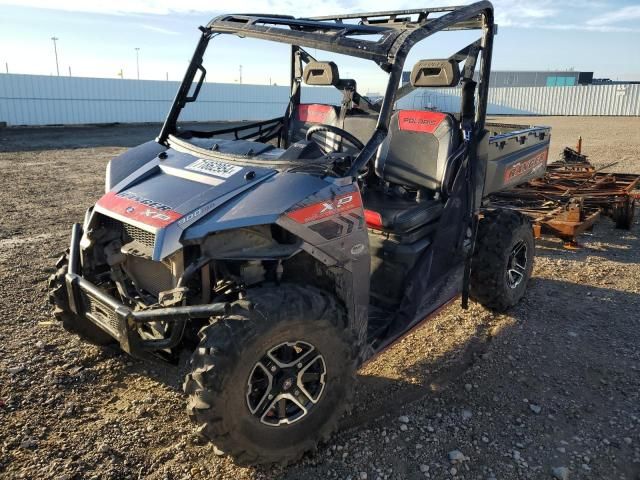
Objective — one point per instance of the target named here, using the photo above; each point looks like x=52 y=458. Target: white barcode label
x=214 y=167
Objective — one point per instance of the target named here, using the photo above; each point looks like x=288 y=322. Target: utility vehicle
x=289 y=254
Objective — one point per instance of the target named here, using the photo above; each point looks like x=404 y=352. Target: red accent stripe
x=313 y=113
x=327 y=208
x=419 y=120
x=129 y=208
x=373 y=219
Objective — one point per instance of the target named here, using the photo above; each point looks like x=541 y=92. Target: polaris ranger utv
x=289 y=254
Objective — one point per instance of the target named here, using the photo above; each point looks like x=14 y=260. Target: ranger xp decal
x=135 y=207
x=213 y=167
x=144 y=201
x=327 y=208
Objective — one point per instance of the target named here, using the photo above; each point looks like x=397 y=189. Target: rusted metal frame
x=568 y=230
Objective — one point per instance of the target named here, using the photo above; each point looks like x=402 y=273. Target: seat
x=360 y=125
x=414 y=155
x=417 y=149
x=310 y=114
x=396 y=214
x=307 y=115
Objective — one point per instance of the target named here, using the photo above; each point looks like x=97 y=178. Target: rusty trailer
x=572 y=196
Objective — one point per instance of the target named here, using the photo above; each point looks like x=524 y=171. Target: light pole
x=55 y=51
x=137 y=49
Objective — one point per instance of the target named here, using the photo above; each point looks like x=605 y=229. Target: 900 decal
x=326 y=208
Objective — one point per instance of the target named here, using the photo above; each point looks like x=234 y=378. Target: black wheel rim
x=286 y=383
x=517 y=264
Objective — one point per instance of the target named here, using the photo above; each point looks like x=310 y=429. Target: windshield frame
x=330 y=34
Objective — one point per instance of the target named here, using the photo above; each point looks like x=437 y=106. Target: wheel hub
x=517 y=264
x=286 y=383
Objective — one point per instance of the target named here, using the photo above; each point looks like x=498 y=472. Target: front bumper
x=118 y=320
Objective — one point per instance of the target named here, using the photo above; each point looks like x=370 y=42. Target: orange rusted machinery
x=571 y=197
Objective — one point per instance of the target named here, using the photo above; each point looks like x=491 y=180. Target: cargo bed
x=515 y=154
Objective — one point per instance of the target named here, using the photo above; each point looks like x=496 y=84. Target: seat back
x=417 y=148
x=309 y=114
x=361 y=126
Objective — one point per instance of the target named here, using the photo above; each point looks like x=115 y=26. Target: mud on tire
x=71 y=322
x=498 y=278
x=220 y=389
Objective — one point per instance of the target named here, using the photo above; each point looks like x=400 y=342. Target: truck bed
x=515 y=154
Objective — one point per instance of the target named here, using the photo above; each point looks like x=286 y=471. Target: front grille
x=101 y=313
x=139 y=235
x=154 y=277
x=127 y=232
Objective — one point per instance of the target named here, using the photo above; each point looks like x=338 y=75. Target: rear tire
x=222 y=386
x=503 y=259
x=71 y=322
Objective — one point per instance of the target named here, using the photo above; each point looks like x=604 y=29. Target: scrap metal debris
x=572 y=196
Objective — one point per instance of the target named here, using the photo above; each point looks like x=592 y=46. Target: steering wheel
x=336 y=131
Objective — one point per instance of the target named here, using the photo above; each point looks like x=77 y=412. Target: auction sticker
x=213 y=167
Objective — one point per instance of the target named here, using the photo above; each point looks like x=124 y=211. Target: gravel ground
x=551 y=390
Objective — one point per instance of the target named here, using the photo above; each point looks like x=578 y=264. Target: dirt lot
x=555 y=383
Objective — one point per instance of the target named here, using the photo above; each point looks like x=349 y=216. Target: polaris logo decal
x=419 y=121
x=213 y=167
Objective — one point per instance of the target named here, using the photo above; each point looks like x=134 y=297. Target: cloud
x=509 y=13
x=519 y=13
x=168 y=7
x=588 y=28
x=153 y=28
x=504 y=8
x=621 y=15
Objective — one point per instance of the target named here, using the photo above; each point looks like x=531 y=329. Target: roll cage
x=394 y=32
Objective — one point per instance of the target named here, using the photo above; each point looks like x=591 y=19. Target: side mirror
x=435 y=73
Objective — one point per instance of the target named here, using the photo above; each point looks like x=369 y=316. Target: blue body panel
x=260 y=205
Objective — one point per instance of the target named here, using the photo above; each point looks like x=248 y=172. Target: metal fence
x=44 y=100
x=622 y=100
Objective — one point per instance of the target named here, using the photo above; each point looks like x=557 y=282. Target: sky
x=97 y=38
